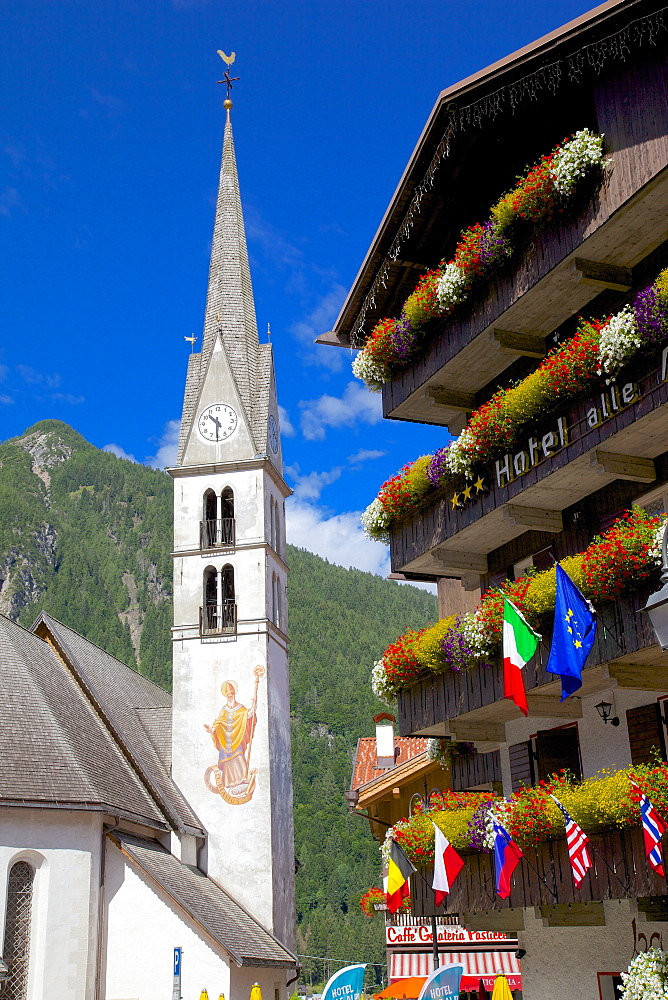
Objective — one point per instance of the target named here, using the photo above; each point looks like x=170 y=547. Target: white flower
x=457 y=457
x=497 y=813
x=452 y=287
x=386 y=846
x=371 y=372
x=647 y=978
x=575 y=159
x=655 y=551
x=376 y=522
x=620 y=339
x=381 y=686
x=477 y=638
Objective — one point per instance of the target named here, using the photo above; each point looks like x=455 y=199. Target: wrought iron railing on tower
x=218 y=533
x=218 y=619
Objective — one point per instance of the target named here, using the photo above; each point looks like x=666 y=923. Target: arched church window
x=16 y=950
x=274 y=599
x=272 y=519
x=217 y=527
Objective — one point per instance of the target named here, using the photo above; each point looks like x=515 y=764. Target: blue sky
x=109 y=153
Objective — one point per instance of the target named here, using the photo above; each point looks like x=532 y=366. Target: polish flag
x=447 y=865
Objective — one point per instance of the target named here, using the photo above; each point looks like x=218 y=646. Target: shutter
x=645 y=733
x=557 y=749
x=521 y=765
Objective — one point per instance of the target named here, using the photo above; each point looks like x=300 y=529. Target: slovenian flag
x=399 y=869
x=506 y=858
x=447 y=865
x=519 y=644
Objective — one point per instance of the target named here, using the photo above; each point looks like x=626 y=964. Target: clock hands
x=216 y=422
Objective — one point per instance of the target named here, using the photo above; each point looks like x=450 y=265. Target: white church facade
x=134 y=822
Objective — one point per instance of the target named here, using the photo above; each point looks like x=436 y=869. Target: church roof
x=230 y=312
x=55 y=749
x=245 y=940
x=137 y=711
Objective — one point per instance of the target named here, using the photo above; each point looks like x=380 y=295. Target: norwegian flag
x=653 y=828
x=576 y=840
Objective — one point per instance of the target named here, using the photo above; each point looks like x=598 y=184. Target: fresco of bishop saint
x=232 y=735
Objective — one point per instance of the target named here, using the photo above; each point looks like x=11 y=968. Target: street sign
x=176 y=988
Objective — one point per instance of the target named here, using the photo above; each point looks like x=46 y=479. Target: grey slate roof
x=129 y=703
x=230 y=312
x=245 y=940
x=54 y=747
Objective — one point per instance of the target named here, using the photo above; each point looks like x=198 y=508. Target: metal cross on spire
x=227 y=79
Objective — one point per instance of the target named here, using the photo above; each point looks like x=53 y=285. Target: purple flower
x=477 y=827
x=493 y=246
x=403 y=338
x=437 y=470
x=650 y=314
x=456 y=649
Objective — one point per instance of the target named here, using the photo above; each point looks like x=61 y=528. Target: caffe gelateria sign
x=536 y=449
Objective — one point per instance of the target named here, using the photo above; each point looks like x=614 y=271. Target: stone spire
x=230 y=310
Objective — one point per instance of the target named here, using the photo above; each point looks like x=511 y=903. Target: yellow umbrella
x=256 y=992
x=501 y=989
x=204 y=995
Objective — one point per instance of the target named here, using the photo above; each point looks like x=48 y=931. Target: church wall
x=64 y=847
x=143 y=926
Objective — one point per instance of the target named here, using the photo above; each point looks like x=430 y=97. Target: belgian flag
x=399 y=868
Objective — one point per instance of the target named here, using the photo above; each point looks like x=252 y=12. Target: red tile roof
x=364 y=762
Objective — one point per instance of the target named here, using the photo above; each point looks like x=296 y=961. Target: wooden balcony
x=564 y=463
x=470 y=703
x=543 y=879
x=588 y=249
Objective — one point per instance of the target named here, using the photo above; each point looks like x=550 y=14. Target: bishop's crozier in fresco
x=232 y=735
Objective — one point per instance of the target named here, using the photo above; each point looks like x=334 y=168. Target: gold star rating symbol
x=455 y=500
x=479 y=484
x=466 y=493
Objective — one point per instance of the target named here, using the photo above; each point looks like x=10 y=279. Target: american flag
x=576 y=840
x=653 y=828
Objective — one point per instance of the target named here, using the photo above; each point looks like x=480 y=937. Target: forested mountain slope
x=87 y=537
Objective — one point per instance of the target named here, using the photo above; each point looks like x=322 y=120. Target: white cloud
x=6 y=400
x=33 y=377
x=357 y=405
x=167 y=447
x=365 y=455
x=67 y=397
x=311 y=485
x=287 y=428
x=318 y=321
x=116 y=450
x=336 y=537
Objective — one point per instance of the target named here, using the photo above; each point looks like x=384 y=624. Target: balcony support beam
x=630 y=467
x=643 y=677
x=478 y=732
x=518 y=344
x=533 y=517
x=450 y=559
x=600 y=275
x=573 y=914
x=464 y=402
x=550 y=707
x=509 y=919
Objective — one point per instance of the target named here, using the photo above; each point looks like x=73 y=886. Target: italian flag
x=519 y=645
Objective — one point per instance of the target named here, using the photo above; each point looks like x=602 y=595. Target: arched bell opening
x=217 y=527
x=219 y=609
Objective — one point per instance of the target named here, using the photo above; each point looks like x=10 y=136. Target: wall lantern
x=604 y=709
x=657 y=604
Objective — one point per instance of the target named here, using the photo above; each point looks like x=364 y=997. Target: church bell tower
x=231 y=708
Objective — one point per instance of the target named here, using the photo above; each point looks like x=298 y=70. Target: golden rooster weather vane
x=227 y=79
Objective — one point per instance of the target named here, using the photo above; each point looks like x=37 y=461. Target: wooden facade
x=544 y=879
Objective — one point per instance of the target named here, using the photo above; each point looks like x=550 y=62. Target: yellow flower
x=427 y=649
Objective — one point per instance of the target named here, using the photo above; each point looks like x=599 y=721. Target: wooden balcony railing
x=219 y=533
x=435 y=698
x=218 y=619
x=544 y=879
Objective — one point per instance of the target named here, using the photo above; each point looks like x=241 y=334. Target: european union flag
x=573 y=636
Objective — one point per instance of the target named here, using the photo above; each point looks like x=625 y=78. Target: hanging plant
x=543 y=190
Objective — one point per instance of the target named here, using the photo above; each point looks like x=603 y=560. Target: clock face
x=217 y=422
x=273 y=434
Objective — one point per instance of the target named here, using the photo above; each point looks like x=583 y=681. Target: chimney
x=385 y=752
